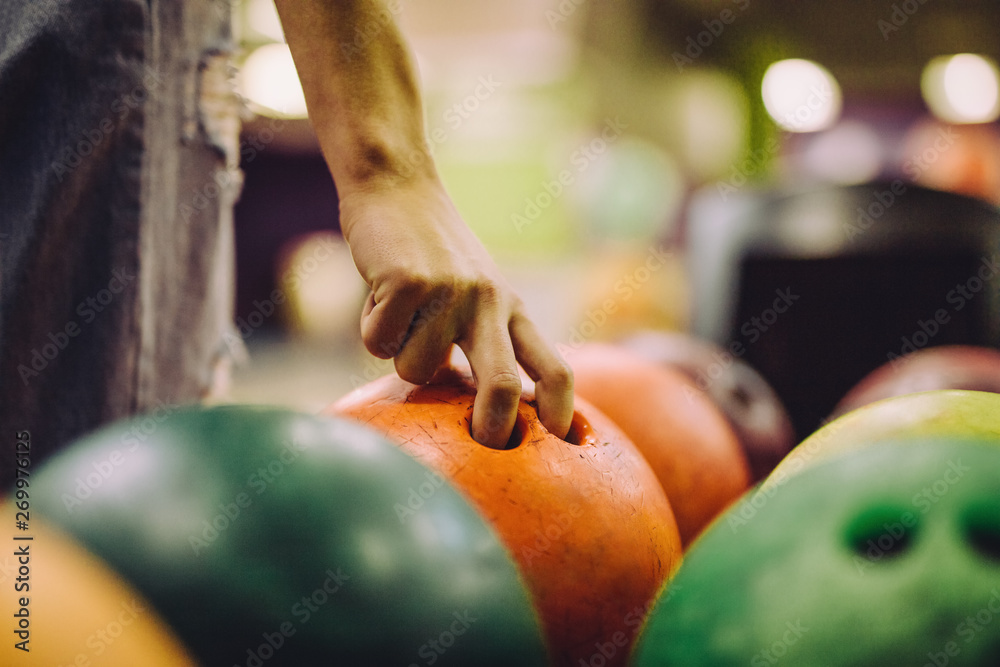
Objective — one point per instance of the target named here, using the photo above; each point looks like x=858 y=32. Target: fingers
x=429 y=342
x=493 y=340
x=385 y=324
x=417 y=329
x=498 y=384
x=552 y=375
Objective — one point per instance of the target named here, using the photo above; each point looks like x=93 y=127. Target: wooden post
x=118 y=172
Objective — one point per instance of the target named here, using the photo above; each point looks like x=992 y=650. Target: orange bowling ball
x=753 y=409
x=71 y=608
x=686 y=439
x=584 y=518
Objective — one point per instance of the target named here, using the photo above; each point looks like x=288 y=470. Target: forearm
x=361 y=90
x=433 y=285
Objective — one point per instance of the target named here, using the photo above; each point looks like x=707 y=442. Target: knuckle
x=559 y=375
x=377 y=346
x=441 y=297
x=416 y=282
x=434 y=293
x=407 y=280
x=488 y=293
x=505 y=386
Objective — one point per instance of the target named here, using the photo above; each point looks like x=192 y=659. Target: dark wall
x=284 y=195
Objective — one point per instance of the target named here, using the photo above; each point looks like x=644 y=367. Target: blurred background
x=667 y=165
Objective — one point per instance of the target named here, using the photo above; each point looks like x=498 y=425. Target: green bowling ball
x=268 y=537
x=884 y=557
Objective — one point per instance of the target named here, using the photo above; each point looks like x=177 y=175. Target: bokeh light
x=324 y=291
x=962 y=88
x=268 y=80
x=801 y=95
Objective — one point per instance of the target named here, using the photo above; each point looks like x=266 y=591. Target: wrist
x=370 y=161
x=377 y=186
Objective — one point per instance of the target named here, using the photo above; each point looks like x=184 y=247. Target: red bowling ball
x=945 y=367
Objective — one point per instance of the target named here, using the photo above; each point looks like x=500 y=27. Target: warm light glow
x=324 y=292
x=269 y=81
x=801 y=96
x=262 y=18
x=962 y=88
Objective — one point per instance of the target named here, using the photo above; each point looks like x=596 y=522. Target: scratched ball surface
x=264 y=536
x=585 y=518
x=686 y=439
x=888 y=556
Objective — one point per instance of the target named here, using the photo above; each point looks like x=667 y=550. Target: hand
x=432 y=282
x=433 y=285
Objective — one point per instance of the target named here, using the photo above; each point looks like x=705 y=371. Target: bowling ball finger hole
x=580 y=431
x=981 y=524
x=882 y=533
x=517 y=435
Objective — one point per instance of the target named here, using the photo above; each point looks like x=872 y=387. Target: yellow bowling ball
x=68 y=609
x=975 y=414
